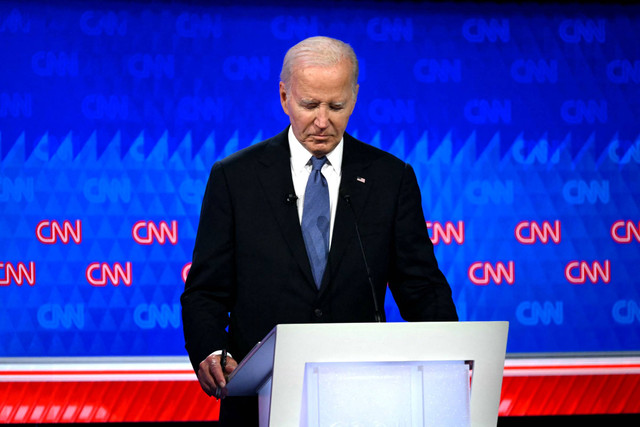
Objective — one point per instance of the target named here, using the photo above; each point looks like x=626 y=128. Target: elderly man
x=278 y=241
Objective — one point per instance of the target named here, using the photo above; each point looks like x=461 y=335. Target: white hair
x=321 y=52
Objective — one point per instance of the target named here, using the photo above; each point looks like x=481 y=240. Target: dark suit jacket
x=250 y=260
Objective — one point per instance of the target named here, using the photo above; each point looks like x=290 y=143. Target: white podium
x=378 y=374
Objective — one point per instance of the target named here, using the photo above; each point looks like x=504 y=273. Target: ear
x=283 y=98
x=355 y=97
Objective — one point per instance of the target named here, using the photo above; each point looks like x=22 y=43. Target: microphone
x=291 y=199
x=378 y=318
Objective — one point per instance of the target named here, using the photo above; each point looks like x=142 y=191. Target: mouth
x=321 y=137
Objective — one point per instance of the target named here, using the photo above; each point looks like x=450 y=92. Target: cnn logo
x=50 y=232
x=446 y=233
x=579 y=272
x=18 y=274
x=482 y=273
x=529 y=233
x=99 y=274
x=146 y=232
x=625 y=231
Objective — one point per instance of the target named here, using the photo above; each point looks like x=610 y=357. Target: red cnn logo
x=160 y=233
x=114 y=275
x=536 y=232
x=18 y=274
x=447 y=233
x=593 y=272
x=65 y=233
x=185 y=271
x=489 y=272
x=630 y=231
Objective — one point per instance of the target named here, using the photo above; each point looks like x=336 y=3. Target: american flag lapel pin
x=361 y=179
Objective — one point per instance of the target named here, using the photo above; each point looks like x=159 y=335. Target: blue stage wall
x=521 y=121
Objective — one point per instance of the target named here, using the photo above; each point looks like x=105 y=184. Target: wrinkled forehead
x=323 y=84
x=333 y=77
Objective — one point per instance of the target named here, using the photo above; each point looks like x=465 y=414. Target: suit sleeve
x=209 y=288
x=417 y=284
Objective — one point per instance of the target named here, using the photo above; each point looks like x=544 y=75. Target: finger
x=216 y=371
x=205 y=377
x=206 y=382
x=231 y=366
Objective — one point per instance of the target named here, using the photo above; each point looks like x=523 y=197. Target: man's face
x=319 y=104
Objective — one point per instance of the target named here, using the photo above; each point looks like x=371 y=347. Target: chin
x=321 y=149
x=319 y=153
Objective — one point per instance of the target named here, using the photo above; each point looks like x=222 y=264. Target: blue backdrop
x=521 y=122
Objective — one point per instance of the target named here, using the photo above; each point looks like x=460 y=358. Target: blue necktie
x=316 y=216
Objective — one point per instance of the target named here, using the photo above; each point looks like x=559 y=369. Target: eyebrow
x=313 y=101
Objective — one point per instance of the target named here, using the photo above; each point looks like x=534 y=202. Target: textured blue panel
x=521 y=122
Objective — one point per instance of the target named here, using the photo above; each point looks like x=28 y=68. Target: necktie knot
x=318 y=163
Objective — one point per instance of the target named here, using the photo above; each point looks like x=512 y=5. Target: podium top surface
x=482 y=342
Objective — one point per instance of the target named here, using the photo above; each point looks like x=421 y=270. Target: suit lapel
x=355 y=183
x=274 y=174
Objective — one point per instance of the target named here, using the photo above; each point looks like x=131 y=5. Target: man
x=277 y=240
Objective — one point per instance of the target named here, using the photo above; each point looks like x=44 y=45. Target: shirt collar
x=300 y=156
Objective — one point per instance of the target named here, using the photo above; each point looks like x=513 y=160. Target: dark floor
x=573 y=420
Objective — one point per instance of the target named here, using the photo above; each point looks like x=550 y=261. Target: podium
x=303 y=373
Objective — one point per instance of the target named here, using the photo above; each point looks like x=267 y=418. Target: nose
x=322 y=118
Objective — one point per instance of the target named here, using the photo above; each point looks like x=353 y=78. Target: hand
x=212 y=380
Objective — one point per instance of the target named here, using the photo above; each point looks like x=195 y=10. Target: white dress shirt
x=301 y=169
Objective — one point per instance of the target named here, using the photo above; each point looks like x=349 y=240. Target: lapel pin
x=360 y=179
